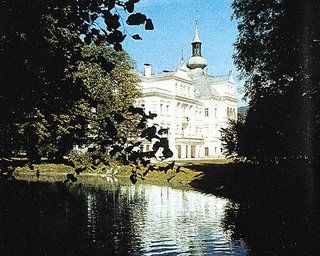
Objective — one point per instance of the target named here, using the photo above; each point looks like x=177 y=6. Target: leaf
x=167 y=153
x=117 y=47
x=149 y=132
x=136 y=19
x=135 y=110
x=163 y=131
x=111 y=20
x=149 y=25
x=95 y=31
x=156 y=146
x=152 y=115
x=79 y=170
x=106 y=65
x=133 y=177
x=93 y=16
x=129 y=149
x=116 y=37
x=129 y=6
x=118 y=118
x=87 y=39
x=136 y=37
x=178 y=169
x=150 y=169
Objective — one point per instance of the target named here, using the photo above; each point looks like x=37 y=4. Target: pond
x=42 y=218
x=114 y=219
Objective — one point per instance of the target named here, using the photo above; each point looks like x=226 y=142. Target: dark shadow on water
x=53 y=219
x=275 y=210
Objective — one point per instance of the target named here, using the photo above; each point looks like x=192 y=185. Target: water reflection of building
x=192 y=104
x=152 y=220
x=181 y=221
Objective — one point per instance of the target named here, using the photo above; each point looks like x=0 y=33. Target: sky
x=174 y=22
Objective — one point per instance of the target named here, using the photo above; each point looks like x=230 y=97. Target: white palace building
x=192 y=104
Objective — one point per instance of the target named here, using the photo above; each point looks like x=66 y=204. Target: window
x=187 y=151
x=161 y=108
x=206 y=151
x=193 y=151
x=215 y=112
x=179 y=150
x=206 y=112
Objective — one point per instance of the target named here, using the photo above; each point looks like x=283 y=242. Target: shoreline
x=226 y=179
x=59 y=172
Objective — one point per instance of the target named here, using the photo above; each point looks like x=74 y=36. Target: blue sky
x=174 y=22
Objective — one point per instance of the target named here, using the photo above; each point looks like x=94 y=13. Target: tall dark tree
x=62 y=85
x=41 y=47
x=278 y=55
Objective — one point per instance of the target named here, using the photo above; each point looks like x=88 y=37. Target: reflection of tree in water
x=282 y=220
x=110 y=226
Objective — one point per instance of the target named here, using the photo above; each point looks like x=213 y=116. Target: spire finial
x=196 y=38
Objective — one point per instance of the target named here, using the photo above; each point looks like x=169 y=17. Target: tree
x=277 y=55
x=58 y=80
x=41 y=47
x=231 y=137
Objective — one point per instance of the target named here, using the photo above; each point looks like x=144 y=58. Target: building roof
x=204 y=84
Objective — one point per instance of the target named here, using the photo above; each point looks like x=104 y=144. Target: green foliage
x=231 y=136
x=62 y=84
x=41 y=47
x=278 y=56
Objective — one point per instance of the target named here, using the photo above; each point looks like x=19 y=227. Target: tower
x=197 y=61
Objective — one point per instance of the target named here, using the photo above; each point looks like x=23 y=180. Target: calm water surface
x=52 y=219
x=113 y=219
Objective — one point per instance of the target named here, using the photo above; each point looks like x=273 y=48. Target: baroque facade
x=191 y=104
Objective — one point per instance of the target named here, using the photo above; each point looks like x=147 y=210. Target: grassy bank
x=238 y=181
x=186 y=176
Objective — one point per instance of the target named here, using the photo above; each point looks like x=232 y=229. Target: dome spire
x=196 y=61
x=196 y=38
